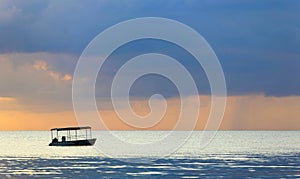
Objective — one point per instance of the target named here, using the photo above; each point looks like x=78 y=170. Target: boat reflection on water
x=72 y=136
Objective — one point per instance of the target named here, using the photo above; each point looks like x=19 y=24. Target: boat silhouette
x=72 y=136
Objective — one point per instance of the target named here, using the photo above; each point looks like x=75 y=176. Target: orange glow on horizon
x=253 y=112
x=7 y=99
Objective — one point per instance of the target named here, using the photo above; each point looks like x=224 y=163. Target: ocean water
x=231 y=154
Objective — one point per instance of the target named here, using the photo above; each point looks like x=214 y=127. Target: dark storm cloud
x=257 y=42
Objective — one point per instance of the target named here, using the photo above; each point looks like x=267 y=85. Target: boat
x=72 y=136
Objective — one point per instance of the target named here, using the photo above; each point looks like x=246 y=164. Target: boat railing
x=71 y=133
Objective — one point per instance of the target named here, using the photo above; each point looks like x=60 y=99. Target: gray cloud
x=34 y=83
x=257 y=42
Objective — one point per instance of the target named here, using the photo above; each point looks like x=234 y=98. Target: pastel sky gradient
x=257 y=43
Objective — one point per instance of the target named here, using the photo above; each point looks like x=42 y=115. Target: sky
x=256 y=41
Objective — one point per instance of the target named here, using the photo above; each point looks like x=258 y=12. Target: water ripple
x=284 y=166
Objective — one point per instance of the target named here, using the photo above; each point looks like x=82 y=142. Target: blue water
x=231 y=154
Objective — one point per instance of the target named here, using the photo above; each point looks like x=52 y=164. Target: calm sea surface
x=231 y=154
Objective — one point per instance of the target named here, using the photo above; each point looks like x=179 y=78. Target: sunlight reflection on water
x=231 y=154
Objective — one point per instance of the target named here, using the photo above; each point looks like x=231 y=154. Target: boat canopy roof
x=70 y=128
